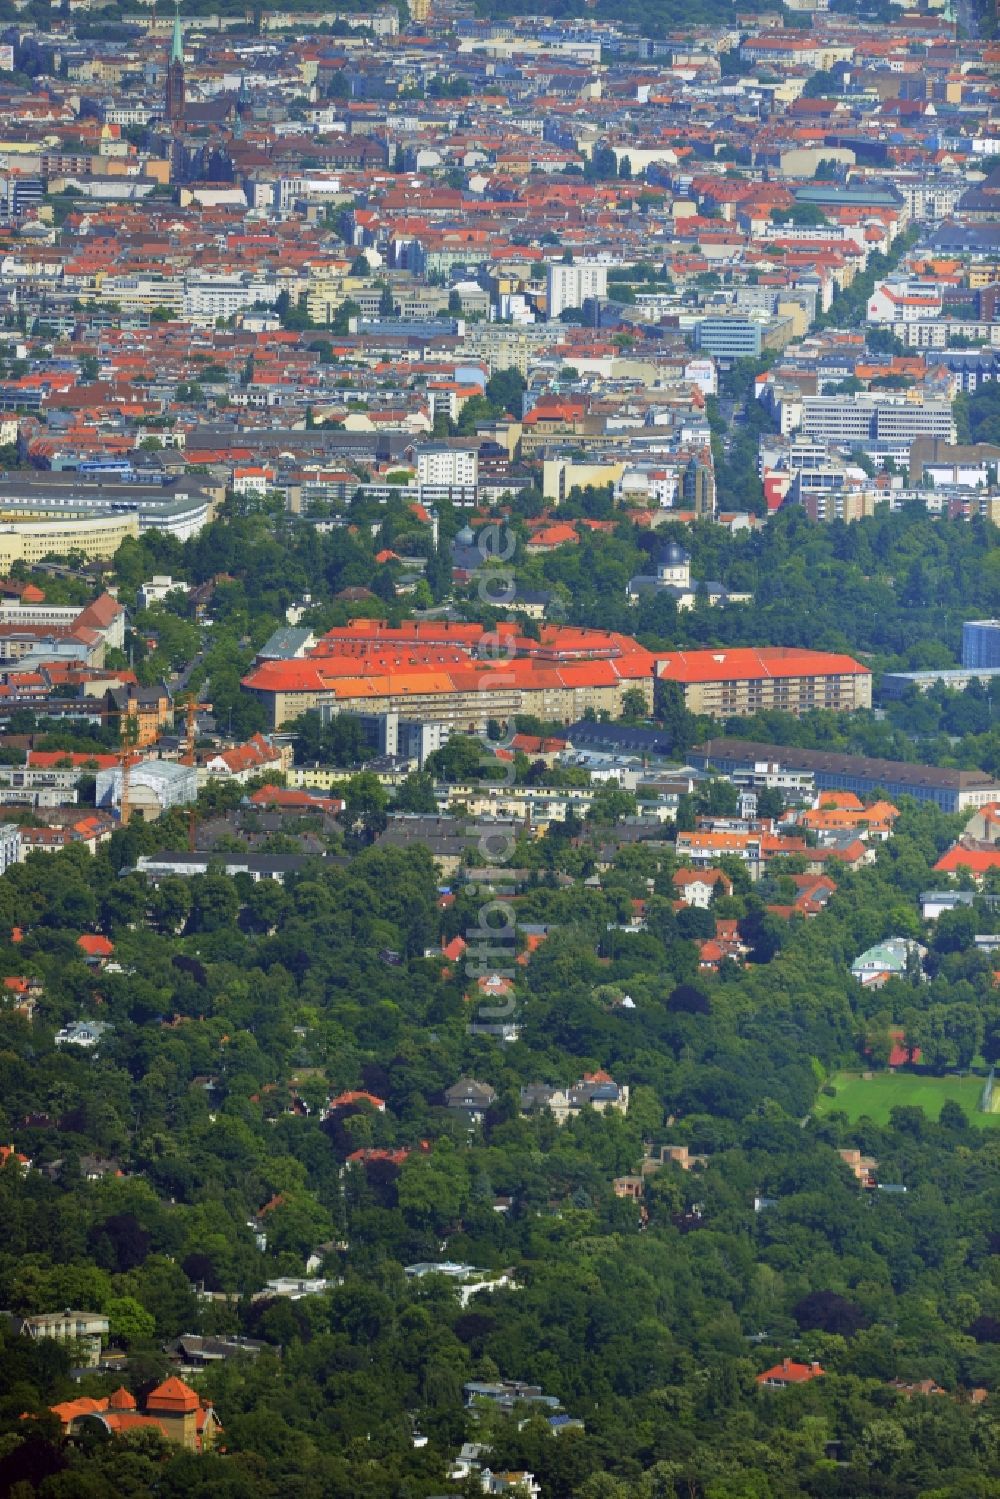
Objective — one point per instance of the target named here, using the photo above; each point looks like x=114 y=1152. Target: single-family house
x=470 y=1097
x=698 y=887
x=782 y=1376
x=892 y=958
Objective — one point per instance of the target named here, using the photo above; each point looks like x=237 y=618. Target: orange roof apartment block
x=463 y=674
x=736 y=683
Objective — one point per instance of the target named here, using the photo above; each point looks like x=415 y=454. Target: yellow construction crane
x=128 y=734
x=191 y=708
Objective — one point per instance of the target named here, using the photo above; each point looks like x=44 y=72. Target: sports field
x=875 y=1096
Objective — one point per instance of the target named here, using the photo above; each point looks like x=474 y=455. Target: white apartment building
x=10 y=845
x=142 y=293
x=126 y=114
x=503 y=347
x=903 y=300
x=932 y=197
x=570 y=285
x=214 y=296
x=157 y=588
x=439 y=464
x=939 y=334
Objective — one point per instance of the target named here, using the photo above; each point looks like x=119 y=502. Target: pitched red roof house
x=780 y=1376
x=355 y=1095
x=374 y=1153
x=900 y=1054
x=304 y=801
x=245 y=760
x=94 y=946
x=978 y=861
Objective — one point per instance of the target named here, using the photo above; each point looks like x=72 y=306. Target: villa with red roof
x=355 y=1096
x=173 y=1409
x=782 y=1376
x=285 y=799
x=975 y=857
x=254 y=758
x=95 y=948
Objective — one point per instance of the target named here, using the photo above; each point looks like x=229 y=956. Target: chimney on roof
x=786 y=1364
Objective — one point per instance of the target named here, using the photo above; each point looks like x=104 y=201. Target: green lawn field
x=875 y=1096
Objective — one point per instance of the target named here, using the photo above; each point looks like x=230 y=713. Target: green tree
x=129 y=1322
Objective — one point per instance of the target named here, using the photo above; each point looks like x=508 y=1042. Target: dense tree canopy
x=238 y=1011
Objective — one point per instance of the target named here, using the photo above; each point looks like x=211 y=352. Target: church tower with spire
x=174 y=102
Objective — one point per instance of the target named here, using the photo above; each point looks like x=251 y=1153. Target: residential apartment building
x=847 y=505
x=86 y=1331
x=451 y=674
x=941 y=333
x=440 y=464
x=10 y=845
x=902 y=300
x=505 y=348
x=571 y=285
x=464 y=699
x=735 y=683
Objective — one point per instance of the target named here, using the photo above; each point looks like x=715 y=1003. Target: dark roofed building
x=192 y=1351
x=470 y=1097
x=980 y=203
x=951 y=790
x=951 y=238
x=617 y=738
x=158 y=867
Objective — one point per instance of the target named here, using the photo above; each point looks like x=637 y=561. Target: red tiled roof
x=977 y=860
x=789 y=1372
x=173 y=1396
x=554 y=536
x=85 y=1405
x=74 y=759
x=745 y=663
x=354 y=1095
x=256 y=754
x=95 y=946
x=119 y=1422
x=305 y=801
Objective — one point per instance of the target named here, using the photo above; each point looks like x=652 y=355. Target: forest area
x=237 y=1003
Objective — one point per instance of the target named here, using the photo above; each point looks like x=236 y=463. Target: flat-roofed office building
x=981 y=642
x=951 y=790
